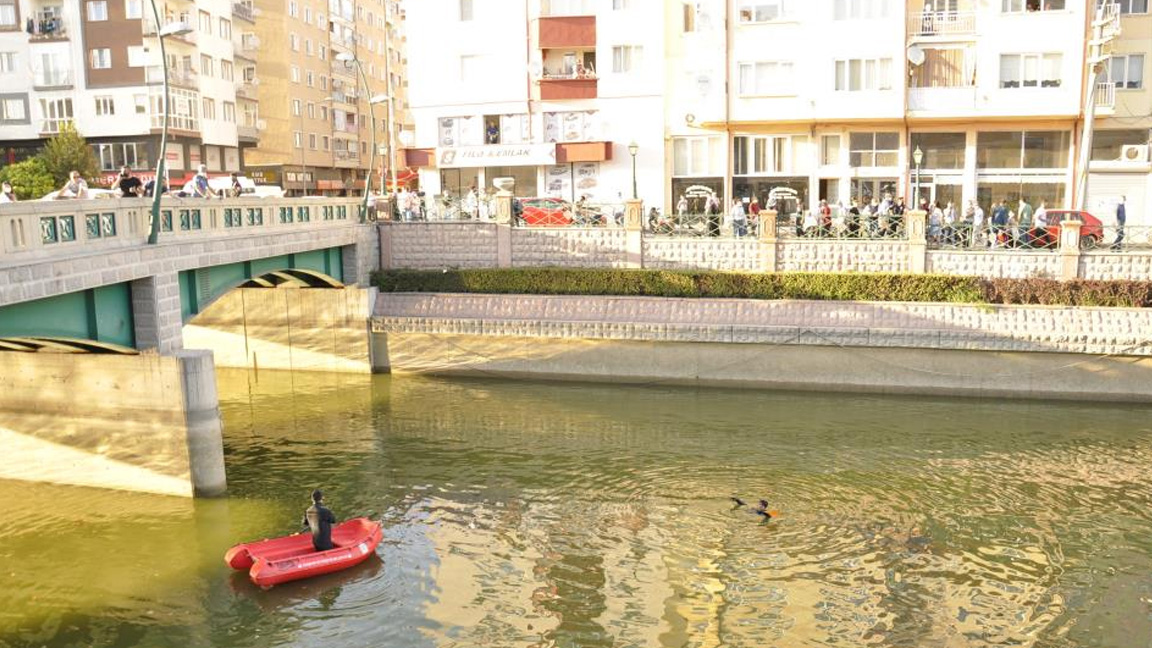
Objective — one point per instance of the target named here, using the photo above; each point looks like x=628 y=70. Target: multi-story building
x=319 y=120
x=1120 y=163
x=551 y=93
x=97 y=64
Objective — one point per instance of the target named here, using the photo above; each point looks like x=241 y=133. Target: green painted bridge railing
x=40 y=230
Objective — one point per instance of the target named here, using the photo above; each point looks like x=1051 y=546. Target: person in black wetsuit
x=319 y=519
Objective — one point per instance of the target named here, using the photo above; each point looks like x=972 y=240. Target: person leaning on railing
x=6 y=193
x=76 y=187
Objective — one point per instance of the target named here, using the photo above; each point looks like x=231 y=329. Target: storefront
x=563 y=170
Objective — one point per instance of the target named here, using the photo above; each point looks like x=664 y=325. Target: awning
x=583 y=152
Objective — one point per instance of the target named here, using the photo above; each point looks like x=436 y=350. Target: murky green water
x=521 y=514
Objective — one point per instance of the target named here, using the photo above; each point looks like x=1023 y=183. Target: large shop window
x=697 y=156
x=941 y=150
x=571 y=126
x=1022 y=150
x=1050 y=193
x=873 y=149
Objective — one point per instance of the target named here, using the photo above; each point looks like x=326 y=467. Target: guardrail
x=42 y=229
x=938 y=23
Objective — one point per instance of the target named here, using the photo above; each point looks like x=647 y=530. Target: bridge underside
x=110 y=313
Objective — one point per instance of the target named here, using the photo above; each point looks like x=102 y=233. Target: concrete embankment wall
x=145 y=423
x=292 y=329
x=941 y=349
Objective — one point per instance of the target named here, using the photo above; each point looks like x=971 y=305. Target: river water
x=533 y=514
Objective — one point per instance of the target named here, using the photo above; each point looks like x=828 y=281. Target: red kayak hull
x=280 y=560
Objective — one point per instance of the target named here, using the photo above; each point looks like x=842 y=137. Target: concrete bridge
x=146 y=419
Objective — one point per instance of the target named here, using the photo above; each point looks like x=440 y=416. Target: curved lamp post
x=171 y=29
x=348 y=58
x=633 y=149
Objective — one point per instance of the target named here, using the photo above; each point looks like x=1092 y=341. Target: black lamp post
x=633 y=149
x=162 y=32
x=917 y=158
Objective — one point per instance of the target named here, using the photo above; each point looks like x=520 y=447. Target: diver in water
x=760 y=510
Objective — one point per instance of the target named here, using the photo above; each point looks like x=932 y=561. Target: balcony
x=53 y=126
x=247 y=132
x=560 y=89
x=926 y=24
x=52 y=79
x=959 y=101
x=184 y=77
x=244 y=11
x=1105 y=96
x=248 y=89
x=347 y=156
x=567 y=31
x=250 y=43
x=48 y=26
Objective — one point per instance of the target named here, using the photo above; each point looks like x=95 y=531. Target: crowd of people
x=130 y=186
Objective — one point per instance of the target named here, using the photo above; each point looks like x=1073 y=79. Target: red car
x=1091 y=232
x=546 y=212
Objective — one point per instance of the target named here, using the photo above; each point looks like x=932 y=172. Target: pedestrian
x=754 y=214
x=76 y=187
x=150 y=187
x=1024 y=217
x=739 y=218
x=712 y=207
x=1121 y=219
x=200 y=187
x=999 y=222
x=235 y=189
x=6 y=193
x=977 y=224
x=128 y=184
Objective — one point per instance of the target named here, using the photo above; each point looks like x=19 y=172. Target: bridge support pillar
x=156 y=312
x=202 y=421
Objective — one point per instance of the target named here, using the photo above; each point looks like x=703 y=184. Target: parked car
x=546 y=212
x=1091 y=232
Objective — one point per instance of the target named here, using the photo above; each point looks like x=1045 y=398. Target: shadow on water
x=562 y=514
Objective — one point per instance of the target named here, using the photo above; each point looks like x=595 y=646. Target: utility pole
x=1105 y=29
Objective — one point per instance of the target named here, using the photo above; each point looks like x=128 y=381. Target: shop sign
x=496 y=155
x=264 y=176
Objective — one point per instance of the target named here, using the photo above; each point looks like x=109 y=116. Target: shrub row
x=820 y=286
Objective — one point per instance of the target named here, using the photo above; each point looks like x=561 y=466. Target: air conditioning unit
x=1134 y=153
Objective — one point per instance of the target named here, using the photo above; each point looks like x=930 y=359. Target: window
x=209 y=108
x=619 y=5
x=294 y=42
x=312 y=141
x=141 y=103
x=1127 y=71
x=1129 y=6
x=225 y=29
x=295 y=107
x=855 y=75
x=1107 y=144
x=205 y=22
x=324 y=143
x=308 y=47
x=298 y=139
x=324 y=113
x=950 y=67
x=1030 y=70
x=12 y=110
x=766 y=11
x=941 y=150
x=207 y=68
x=105 y=106
x=1021 y=6
x=830 y=150
x=307 y=14
x=57 y=113
x=311 y=110
x=101 y=58
x=465 y=10
x=226 y=71
x=873 y=149
x=310 y=79
x=323 y=53
x=295 y=72
x=697 y=156
x=133 y=9
x=761 y=154
x=293 y=10
x=1022 y=150
x=8 y=13
x=114 y=156
x=626 y=58
x=861 y=9
x=97 y=10
x=323 y=82
x=229 y=112
x=766 y=78
x=7 y=62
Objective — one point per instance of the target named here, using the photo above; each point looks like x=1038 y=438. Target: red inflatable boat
x=279 y=560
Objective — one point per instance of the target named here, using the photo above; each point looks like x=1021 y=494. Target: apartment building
x=97 y=64
x=319 y=118
x=1120 y=164
x=551 y=93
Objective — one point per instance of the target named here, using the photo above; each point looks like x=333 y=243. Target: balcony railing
x=177 y=76
x=346 y=156
x=559 y=89
x=52 y=79
x=250 y=43
x=1105 y=94
x=941 y=23
x=247 y=89
x=54 y=125
x=244 y=11
x=943 y=100
x=47 y=27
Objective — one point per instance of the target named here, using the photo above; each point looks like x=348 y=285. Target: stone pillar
x=504 y=229
x=634 y=232
x=361 y=259
x=768 y=240
x=385 y=231
x=156 y=313
x=915 y=222
x=1070 y=249
x=383 y=208
x=202 y=420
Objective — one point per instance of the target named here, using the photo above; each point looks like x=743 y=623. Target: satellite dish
x=689 y=119
x=915 y=55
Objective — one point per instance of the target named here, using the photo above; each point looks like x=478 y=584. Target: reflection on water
x=521 y=514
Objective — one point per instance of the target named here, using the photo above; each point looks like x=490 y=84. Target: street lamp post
x=346 y=58
x=917 y=158
x=171 y=29
x=633 y=149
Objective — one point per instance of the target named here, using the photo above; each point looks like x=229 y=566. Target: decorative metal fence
x=841 y=224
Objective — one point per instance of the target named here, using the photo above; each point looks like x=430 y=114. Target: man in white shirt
x=977 y=224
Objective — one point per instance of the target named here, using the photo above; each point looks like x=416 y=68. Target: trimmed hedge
x=818 y=286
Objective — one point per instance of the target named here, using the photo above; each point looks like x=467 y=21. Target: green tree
x=67 y=152
x=30 y=179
